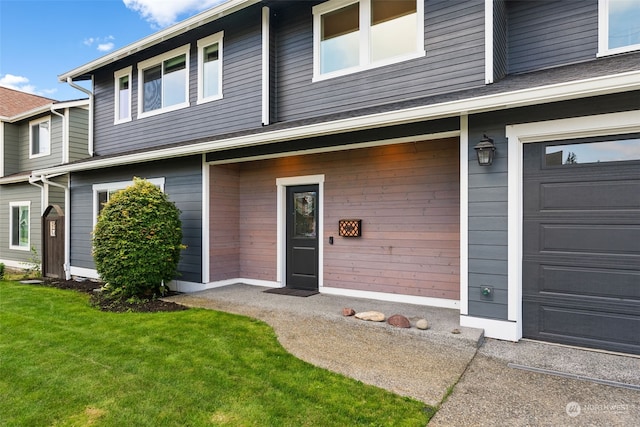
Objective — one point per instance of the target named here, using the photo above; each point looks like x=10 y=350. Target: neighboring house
x=36 y=133
x=282 y=128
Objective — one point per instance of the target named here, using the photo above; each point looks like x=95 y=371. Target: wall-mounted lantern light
x=485 y=150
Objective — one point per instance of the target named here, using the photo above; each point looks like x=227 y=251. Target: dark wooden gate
x=53 y=242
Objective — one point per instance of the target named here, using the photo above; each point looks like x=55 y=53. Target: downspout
x=91 y=97
x=65 y=143
x=43 y=202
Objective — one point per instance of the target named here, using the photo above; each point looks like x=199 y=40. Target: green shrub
x=137 y=241
x=1 y=271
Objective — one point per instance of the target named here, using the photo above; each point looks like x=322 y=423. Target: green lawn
x=64 y=363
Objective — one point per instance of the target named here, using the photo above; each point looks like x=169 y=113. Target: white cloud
x=22 y=84
x=162 y=13
x=103 y=44
x=105 y=47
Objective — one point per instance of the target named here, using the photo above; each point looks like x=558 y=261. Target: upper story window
x=210 y=68
x=19 y=225
x=122 y=95
x=618 y=26
x=163 y=82
x=353 y=35
x=40 y=137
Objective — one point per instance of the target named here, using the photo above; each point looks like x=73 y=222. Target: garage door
x=581 y=243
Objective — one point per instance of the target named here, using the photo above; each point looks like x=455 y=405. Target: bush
x=137 y=241
x=1 y=271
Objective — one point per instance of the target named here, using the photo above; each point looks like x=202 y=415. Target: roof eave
x=196 y=21
x=536 y=95
x=25 y=115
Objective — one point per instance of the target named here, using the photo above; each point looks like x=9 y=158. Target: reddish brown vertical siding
x=407 y=196
x=224 y=211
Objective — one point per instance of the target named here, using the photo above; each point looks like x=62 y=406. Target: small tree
x=137 y=241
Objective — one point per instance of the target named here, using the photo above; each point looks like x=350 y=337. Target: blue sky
x=40 y=39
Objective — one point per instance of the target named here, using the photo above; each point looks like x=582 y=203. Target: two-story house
x=478 y=155
x=36 y=133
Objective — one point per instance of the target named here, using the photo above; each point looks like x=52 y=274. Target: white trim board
x=282 y=184
x=386 y=296
x=89 y=273
x=464 y=215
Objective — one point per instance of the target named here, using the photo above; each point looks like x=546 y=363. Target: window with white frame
x=103 y=192
x=19 y=225
x=40 y=137
x=122 y=97
x=618 y=26
x=210 y=68
x=352 y=35
x=163 y=82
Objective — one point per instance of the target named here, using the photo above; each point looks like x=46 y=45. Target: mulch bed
x=104 y=302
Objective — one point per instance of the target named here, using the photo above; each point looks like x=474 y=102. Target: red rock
x=347 y=311
x=399 y=321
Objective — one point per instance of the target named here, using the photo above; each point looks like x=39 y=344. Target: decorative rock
x=399 y=321
x=456 y=331
x=422 y=324
x=372 y=316
x=347 y=311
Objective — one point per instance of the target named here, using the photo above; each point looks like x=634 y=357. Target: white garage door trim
x=517 y=135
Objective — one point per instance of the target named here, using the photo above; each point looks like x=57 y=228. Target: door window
x=305 y=214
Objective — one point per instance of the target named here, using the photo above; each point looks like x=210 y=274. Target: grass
x=64 y=363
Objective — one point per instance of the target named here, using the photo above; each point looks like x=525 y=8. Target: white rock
x=373 y=316
x=422 y=324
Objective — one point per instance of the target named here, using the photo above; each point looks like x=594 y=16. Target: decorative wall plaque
x=350 y=227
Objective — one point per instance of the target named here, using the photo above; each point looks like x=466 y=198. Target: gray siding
x=544 y=34
x=56 y=194
x=239 y=109
x=55 y=156
x=11 y=149
x=488 y=193
x=19 y=193
x=454 y=42
x=78 y=133
x=183 y=184
x=499 y=39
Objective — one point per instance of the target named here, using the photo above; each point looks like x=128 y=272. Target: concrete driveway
x=482 y=382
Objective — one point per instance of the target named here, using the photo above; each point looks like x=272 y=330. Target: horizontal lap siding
x=183 y=185
x=12 y=163
x=499 y=39
x=454 y=42
x=407 y=196
x=78 y=134
x=543 y=34
x=19 y=193
x=224 y=222
x=258 y=220
x=55 y=156
x=239 y=109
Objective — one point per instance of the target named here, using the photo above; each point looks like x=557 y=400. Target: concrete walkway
x=493 y=382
